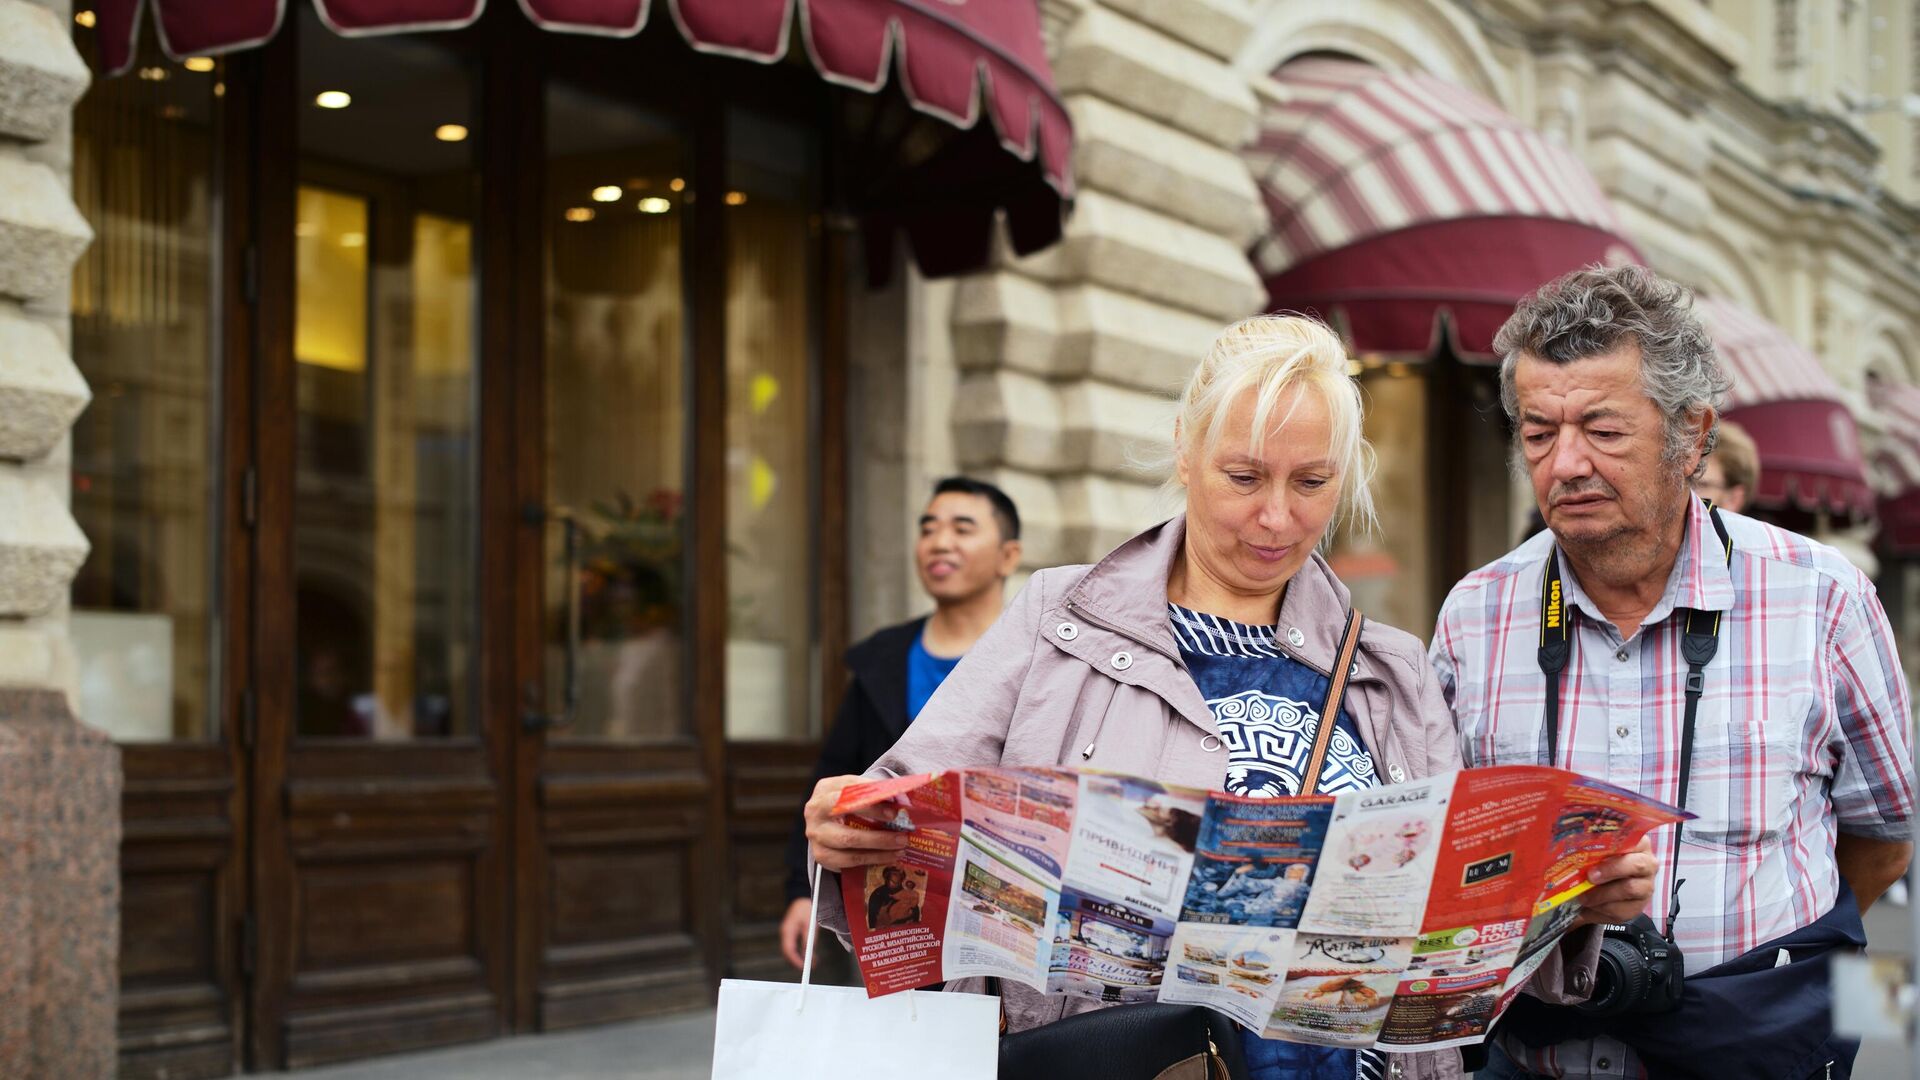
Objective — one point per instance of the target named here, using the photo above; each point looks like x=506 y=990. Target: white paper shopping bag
x=785 y=1030
x=805 y=1032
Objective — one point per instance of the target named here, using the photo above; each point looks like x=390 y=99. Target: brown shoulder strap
x=1330 y=712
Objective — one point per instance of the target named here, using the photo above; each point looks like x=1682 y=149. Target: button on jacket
x=1042 y=688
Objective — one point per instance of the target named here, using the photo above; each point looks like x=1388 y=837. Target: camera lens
x=1621 y=981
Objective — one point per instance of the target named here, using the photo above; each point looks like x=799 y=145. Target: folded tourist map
x=1404 y=917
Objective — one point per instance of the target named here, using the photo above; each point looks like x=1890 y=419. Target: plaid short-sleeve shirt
x=1802 y=732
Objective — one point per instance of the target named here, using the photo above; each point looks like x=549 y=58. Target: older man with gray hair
x=1693 y=655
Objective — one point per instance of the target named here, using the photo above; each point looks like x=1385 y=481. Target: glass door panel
x=385 y=520
x=616 y=420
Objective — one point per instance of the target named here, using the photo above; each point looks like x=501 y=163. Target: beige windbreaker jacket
x=1082 y=670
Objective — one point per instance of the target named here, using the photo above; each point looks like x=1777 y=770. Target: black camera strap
x=1698 y=644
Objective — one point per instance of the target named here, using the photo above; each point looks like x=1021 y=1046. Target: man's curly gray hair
x=1596 y=309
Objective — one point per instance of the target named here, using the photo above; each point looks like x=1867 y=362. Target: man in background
x=969 y=546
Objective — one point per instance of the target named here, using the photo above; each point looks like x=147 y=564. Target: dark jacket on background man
x=872 y=716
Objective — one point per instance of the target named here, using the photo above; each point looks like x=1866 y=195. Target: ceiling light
x=353 y=240
x=219 y=89
x=153 y=74
x=579 y=213
x=736 y=198
x=677 y=184
x=333 y=99
x=450 y=133
x=198 y=63
x=607 y=193
x=84 y=18
x=654 y=205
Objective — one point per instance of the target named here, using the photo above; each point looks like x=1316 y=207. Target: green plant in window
x=631 y=565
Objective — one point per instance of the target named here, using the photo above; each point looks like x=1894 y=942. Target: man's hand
x=793 y=931
x=842 y=847
x=1622 y=886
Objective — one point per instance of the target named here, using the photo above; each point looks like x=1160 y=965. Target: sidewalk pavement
x=678 y=1047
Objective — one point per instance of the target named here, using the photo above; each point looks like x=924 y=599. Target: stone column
x=1069 y=360
x=59 y=780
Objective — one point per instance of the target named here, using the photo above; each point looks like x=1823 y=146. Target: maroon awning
x=1900 y=524
x=1896 y=462
x=1809 y=444
x=952 y=54
x=1405 y=207
x=1397 y=293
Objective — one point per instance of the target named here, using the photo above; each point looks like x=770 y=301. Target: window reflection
x=384 y=519
x=145 y=623
x=770 y=466
x=616 y=418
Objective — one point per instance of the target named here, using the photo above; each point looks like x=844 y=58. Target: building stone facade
x=1760 y=150
x=59 y=780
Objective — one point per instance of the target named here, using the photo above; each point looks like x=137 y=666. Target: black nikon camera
x=1640 y=971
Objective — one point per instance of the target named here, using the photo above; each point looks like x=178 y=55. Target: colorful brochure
x=1404 y=917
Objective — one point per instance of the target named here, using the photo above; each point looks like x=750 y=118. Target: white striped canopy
x=1766 y=363
x=1351 y=152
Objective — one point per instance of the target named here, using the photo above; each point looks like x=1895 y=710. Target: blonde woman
x=1199 y=652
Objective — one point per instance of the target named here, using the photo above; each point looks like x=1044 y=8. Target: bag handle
x=1336 y=693
x=813 y=931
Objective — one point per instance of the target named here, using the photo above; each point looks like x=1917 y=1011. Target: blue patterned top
x=1267 y=707
x=1268 y=713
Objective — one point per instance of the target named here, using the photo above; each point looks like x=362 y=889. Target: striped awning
x=1809 y=444
x=1896 y=458
x=1402 y=201
x=1896 y=464
x=1764 y=360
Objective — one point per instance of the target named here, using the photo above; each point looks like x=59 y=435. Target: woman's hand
x=1622 y=886
x=839 y=847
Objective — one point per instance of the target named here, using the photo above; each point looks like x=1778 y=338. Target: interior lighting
x=654 y=205
x=580 y=213
x=153 y=74
x=306 y=228
x=201 y=64
x=736 y=198
x=84 y=18
x=353 y=240
x=333 y=99
x=174 y=112
x=607 y=193
x=677 y=184
x=450 y=133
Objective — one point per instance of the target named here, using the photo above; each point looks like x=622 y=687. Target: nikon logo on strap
x=1553 y=604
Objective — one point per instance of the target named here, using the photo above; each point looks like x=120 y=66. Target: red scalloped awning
x=1405 y=207
x=1809 y=444
x=952 y=55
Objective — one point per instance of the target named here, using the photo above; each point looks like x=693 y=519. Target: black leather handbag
x=1126 y=1042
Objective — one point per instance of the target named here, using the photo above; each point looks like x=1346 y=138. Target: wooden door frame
x=274 y=407
x=198 y=791
x=269 y=447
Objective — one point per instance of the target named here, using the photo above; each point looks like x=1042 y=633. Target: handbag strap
x=1336 y=693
